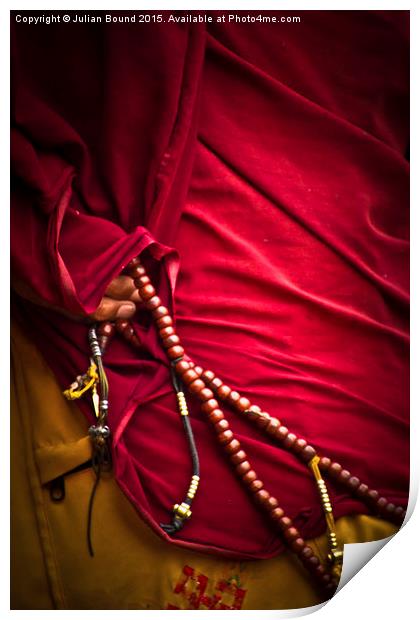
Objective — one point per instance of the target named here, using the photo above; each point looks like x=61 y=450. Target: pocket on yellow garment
x=59 y=460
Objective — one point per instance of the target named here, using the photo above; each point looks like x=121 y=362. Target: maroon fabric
x=260 y=171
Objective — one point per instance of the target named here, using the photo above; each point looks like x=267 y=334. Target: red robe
x=260 y=170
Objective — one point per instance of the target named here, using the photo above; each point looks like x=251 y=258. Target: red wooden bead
x=299 y=445
x=216 y=383
x=291 y=533
x=234 y=396
x=262 y=496
x=208 y=375
x=251 y=414
x=344 y=475
x=272 y=502
x=171 y=341
x=223 y=391
x=306 y=552
x=137 y=272
x=238 y=457
x=373 y=495
x=362 y=490
x=335 y=469
x=277 y=514
x=308 y=453
x=324 y=463
x=389 y=508
x=243 y=404
x=216 y=415
x=312 y=562
x=159 y=312
x=381 y=503
x=166 y=331
x=164 y=321
x=249 y=477
x=263 y=420
x=198 y=370
x=134 y=262
x=233 y=447
x=174 y=352
x=225 y=437
x=205 y=394
x=209 y=405
x=289 y=440
x=141 y=281
x=243 y=468
x=399 y=510
x=182 y=367
x=196 y=386
x=298 y=545
x=128 y=332
x=221 y=426
x=146 y=292
x=353 y=483
x=272 y=426
x=121 y=324
x=153 y=303
x=285 y=523
x=189 y=375
x=106 y=329
x=282 y=433
x=256 y=486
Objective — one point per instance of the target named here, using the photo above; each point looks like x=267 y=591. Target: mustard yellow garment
x=132 y=567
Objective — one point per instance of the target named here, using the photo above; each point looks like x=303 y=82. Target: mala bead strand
x=170 y=341
x=272 y=426
x=300 y=447
x=361 y=490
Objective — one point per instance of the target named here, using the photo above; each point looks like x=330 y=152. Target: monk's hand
x=119 y=301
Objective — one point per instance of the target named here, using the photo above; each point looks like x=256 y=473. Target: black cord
x=177 y=521
x=192 y=446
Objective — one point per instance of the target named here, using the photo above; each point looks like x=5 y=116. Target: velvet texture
x=260 y=171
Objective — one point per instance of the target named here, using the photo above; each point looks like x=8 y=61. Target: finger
x=123 y=287
x=110 y=309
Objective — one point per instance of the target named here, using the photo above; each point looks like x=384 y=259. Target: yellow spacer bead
x=182 y=510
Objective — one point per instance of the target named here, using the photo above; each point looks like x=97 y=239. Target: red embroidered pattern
x=193 y=592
